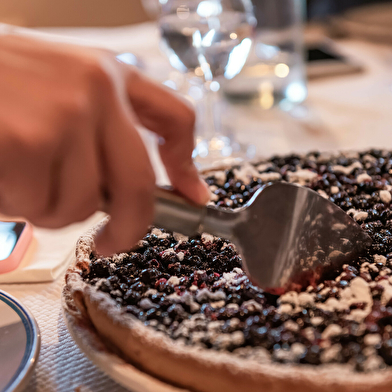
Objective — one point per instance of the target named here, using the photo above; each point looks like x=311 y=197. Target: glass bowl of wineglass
x=212 y=40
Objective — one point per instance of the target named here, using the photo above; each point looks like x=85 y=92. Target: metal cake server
x=288 y=236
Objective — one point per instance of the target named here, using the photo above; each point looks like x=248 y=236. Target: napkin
x=50 y=252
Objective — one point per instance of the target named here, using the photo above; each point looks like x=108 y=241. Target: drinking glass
x=274 y=74
x=211 y=39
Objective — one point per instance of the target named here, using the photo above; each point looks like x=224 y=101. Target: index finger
x=170 y=117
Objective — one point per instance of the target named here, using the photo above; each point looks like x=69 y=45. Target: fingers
x=74 y=183
x=70 y=141
x=163 y=113
x=129 y=183
x=51 y=187
x=24 y=189
x=62 y=168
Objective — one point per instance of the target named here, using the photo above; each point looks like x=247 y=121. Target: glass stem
x=210 y=113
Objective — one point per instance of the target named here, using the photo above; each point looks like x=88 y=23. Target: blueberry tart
x=182 y=309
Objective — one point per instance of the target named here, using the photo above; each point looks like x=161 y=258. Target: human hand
x=68 y=142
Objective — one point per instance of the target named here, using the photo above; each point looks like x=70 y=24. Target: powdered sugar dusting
x=207 y=237
x=302 y=177
x=180 y=237
x=245 y=173
x=347 y=169
x=385 y=196
x=363 y=177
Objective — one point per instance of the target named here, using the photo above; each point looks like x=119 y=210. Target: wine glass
x=211 y=39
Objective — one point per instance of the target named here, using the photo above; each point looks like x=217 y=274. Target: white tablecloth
x=348 y=112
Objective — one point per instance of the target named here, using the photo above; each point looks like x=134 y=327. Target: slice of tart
x=183 y=310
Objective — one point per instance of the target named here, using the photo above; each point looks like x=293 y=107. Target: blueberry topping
x=194 y=290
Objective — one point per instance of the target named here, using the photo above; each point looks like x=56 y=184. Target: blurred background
x=319 y=9
x=31 y=13
x=319 y=86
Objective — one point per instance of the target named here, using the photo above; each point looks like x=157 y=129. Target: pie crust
x=192 y=367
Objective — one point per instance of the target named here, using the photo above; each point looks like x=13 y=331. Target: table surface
x=346 y=112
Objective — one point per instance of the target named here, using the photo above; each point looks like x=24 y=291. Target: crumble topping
x=194 y=290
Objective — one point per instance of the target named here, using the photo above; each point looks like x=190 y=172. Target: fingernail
x=204 y=192
x=201 y=191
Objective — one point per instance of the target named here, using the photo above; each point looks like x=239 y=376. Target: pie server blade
x=288 y=236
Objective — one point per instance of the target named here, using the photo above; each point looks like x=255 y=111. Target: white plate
x=19 y=344
x=86 y=337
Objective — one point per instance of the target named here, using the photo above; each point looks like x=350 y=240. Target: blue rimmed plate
x=19 y=344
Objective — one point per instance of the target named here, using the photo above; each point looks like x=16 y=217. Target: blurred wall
x=71 y=12
x=319 y=9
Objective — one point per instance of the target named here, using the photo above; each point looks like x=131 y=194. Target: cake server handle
x=174 y=213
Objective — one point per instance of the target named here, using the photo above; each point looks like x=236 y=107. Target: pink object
x=22 y=236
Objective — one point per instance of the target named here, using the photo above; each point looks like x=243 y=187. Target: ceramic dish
x=19 y=344
x=86 y=337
